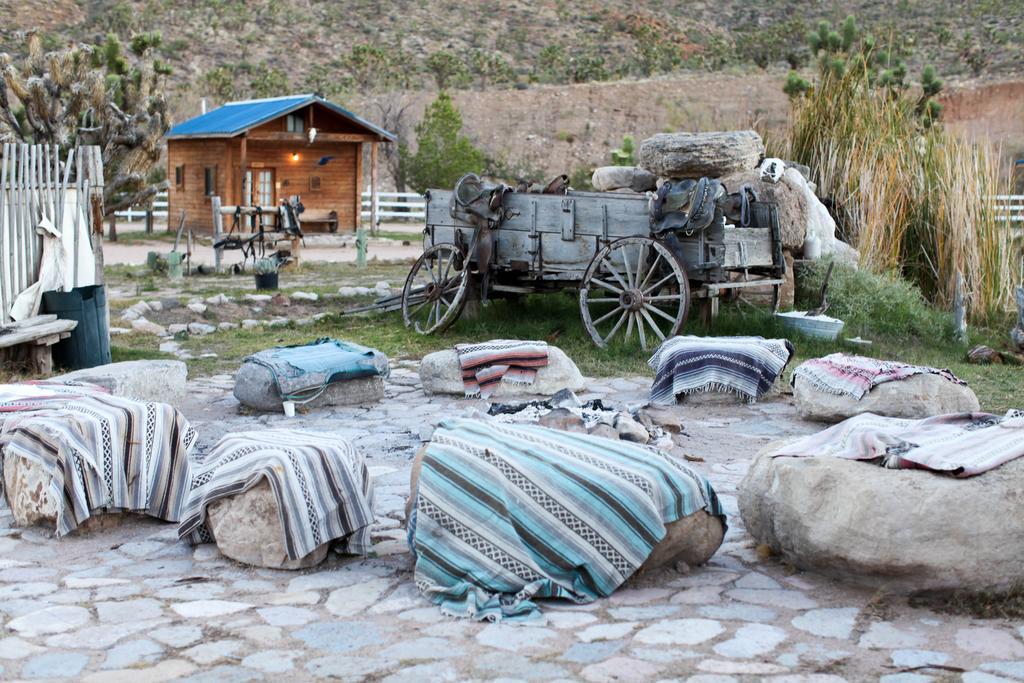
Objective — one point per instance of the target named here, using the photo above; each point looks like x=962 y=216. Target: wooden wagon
x=635 y=260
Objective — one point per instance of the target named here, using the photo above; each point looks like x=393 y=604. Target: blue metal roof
x=234 y=118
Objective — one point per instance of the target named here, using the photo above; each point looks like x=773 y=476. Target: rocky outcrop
x=904 y=530
x=609 y=178
x=694 y=155
x=27 y=488
x=440 y=374
x=143 y=380
x=247 y=528
x=255 y=388
x=916 y=397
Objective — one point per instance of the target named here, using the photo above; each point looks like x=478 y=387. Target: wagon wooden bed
x=632 y=273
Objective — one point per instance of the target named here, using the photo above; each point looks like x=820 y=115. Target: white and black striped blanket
x=104 y=452
x=505 y=514
x=487 y=364
x=746 y=366
x=323 y=488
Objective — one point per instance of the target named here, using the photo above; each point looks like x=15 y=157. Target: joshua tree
x=92 y=95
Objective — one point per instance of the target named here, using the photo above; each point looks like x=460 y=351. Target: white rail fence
x=395 y=205
x=1010 y=207
x=137 y=213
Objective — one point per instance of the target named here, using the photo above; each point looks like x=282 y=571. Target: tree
x=392 y=115
x=92 y=95
x=446 y=69
x=489 y=68
x=442 y=154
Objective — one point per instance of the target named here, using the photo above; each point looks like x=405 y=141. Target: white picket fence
x=137 y=213
x=395 y=205
x=1010 y=207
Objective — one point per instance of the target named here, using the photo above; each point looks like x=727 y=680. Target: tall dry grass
x=912 y=199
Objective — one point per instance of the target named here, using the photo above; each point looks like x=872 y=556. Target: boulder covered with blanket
x=505 y=514
x=839 y=386
x=325 y=372
x=911 y=505
x=280 y=498
x=73 y=451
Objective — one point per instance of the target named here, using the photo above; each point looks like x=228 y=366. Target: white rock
x=247 y=528
x=916 y=397
x=679 y=632
x=155 y=305
x=226 y=325
x=631 y=430
x=811 y=511
x=218 y=299
x=144 y=380
x=608 y=178
x=143 y=325
x=347 y=291
x=258 y=298
x=440 y=374
x=177 y=328
x=249 y=324
x=117 y=331
x=130 y=314
x=279 y=322
x=56 y=619
x=832 y=622
x=752 y=640
x=201 y=329
x=305 y=296
x=353 y=599
x=198 y=308
x=16 y=648
x=606 y=631
x=197 y=609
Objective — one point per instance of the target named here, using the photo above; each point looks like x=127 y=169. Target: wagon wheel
x=435 y=290
x=634 y=282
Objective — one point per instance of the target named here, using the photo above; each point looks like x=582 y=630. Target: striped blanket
x=746 y=366
x=104 y=452
x=505 y=514
x=963 y=444
x=846 y=374
x=302 y=372
x=487 y=364
x=323 y=488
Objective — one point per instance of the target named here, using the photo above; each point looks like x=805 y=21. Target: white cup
x=289 y=409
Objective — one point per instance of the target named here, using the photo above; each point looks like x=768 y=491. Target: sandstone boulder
x=916 y=397
x=255 y=388
x=144 y=380
x=440 y=374
x=27 y=488
x=693 y=155
x=248 y=529
x=902 y=530
x=608 y=178
x=692 y=539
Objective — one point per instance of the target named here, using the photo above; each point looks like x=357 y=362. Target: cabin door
x=260 y=185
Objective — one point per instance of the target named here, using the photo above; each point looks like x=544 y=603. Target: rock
x=305 y=296
x=255 y=388
x=155 y=305
x=440 y=374
x=383 y=287
x=279 y=322
x=631 y=430
x=177 y=328
x=564 y=419
x=916 y=397
x=130 y=314
x=196 y=307
x=120 y=330
x=668 y=418
x=922 y=531
x=249 y=324
x=247 y=528
x=143 y=325
x=983 y=355
x=200 y=329
x=219 y=299
x=258 y=298
x=693 y=155
x=347 y=291
x=168 y=303
x=604 y=431
x=280 y=299
x=692 y=539
x=565 y=399
x=227 y=325
x=607 y=178
x=27 y=489
x=144 y=380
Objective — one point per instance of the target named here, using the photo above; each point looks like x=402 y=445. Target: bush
x=872 y=304
x=443 y=154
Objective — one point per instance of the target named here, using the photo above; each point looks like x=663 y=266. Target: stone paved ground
x=131 y=603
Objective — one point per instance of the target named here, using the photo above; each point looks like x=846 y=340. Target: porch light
x=295 y=156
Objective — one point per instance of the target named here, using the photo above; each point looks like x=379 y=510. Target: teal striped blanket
x=505 y=514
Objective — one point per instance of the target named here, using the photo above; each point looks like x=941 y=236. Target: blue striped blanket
x=746 y=366
x=505 y=514
x=303 y=371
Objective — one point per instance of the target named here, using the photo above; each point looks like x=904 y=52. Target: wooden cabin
x=258 y=152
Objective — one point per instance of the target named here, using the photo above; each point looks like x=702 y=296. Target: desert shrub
x=872 y=303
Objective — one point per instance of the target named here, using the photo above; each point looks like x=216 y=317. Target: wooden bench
x=31 y=339
x=311 y=217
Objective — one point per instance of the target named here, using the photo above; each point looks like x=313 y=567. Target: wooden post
x=243 y=161
x=149 y=221
x=112 y=231
x=373 y=189
x=218 y=231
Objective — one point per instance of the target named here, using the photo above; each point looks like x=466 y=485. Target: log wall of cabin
x=195 y=156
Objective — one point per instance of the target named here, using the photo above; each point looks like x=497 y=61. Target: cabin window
x=314 y=183
x=295 y=123
x=210 y=180
x=179 y=177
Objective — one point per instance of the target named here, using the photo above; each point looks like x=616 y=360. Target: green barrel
x=89 y=343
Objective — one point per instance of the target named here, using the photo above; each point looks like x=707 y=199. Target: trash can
x=89 y=343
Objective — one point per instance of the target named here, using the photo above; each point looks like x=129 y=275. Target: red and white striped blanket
x=963 y=444
x=485 y=365
x=841 y=373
